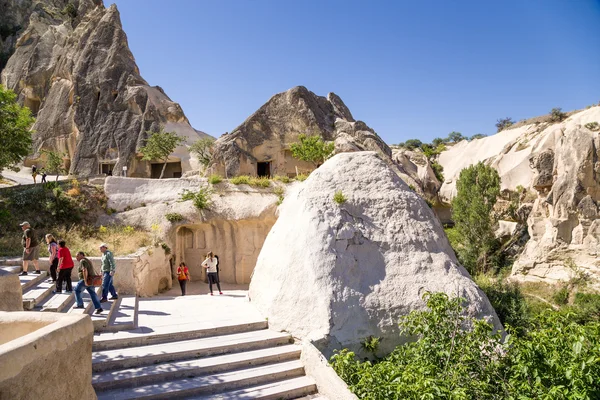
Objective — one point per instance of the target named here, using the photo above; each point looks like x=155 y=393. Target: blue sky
x=409 y=69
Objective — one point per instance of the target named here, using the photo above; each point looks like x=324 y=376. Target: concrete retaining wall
x=45 y=356
x=11 y=297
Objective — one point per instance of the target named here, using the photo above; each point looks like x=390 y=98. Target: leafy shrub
x=282 y=178
x=438 y=170
x=504 y=123
x=280 y=194
x=371 y=344
x=459 y=357
x=201 y=198
x=110 y=211
x=240 y=180
x=455 y=137
x=561 y=296
x=339 y=197
x=215 y=179
x=174 y=217
x=477 y=136
x=556 y=115
x=128 y=229
x=301 y=177
x=166 y=248
x=260 y=181
x=312 y=149
x=507 y=299
x=593 y=126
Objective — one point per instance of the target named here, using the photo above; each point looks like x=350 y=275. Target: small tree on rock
x=477 y=187
x=15 y=136
x=159 y=146
x=557 y=115
x=504 y=123
x=54 y=163
x=312 y=149
x=455 y=137
x=203 y=150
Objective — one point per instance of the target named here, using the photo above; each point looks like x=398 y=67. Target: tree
x=437 y=141
x=54 y=163
x=412 y=144
x=312 y=149
x=477 y=187
x=455 y=137
x=15 y=136
x=556 y=115
x=159 y=146
x=203 y=149
x=504 y=123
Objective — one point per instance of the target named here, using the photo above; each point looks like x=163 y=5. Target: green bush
x=371 y=344
x=240 y=180
x=174 y=217
x=215 y=179
x=412 y=144
x=593 y=126
x=166 y=248
x=507 y=299
x=282 y=178
x=438 y=170
x=301 y=177
x=504 y=123
x=458 y=357
x=556 y=115
x=339 y=197
x=260 y=182
x=201 y=198
x=561 y=296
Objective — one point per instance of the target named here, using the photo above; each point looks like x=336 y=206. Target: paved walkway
x=172 y=313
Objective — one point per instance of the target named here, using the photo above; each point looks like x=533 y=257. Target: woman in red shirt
x=183 y=274
x=65 y=266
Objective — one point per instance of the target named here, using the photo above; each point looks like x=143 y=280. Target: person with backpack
x=183 y=275
x=86 y=271
x=211 y=268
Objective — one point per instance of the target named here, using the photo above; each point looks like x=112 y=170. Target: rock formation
x=72 y=67
x=557 y=165
x=338 y=273
x=264 y=137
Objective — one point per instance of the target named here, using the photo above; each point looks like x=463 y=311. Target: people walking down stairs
x=86 y=272
x=108 y=272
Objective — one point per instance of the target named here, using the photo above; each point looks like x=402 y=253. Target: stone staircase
x=234 y=362
x=120 y=314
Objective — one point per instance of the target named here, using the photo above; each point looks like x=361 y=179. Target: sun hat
x=24 y=223
x=104 y=245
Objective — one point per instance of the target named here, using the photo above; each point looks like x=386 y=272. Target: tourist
x=65 y=267
x=31 y=250
x=211 y=268
x=53 y=258
x=183 y=275
x=34 y=173
x=86 y=271
x=108 y=273
x=44 y=175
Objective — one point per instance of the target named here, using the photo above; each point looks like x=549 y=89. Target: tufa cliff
x=70 y=63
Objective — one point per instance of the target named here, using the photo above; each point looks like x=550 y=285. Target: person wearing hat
x=31 y=249
x=108 y=272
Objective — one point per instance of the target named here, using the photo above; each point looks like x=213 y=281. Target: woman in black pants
x=65 y=266
x=211 y=268
x=53 y=252
x=183 y=275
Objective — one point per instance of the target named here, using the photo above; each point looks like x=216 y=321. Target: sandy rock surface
x=337 y=273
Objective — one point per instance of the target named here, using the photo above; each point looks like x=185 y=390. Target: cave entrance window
x=263 y=169
x=105 y=168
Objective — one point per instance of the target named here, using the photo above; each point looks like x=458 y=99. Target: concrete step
x=209 y=384
x=133 y=357
x=288 y=389
x=58 y=302
x=37 y=294
x=190 y=368
x=87 y=302
x=116 y=340
x=30 y=280
x=122 y=315
x=13 y=269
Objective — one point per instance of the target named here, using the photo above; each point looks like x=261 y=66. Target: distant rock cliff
x=71 y=64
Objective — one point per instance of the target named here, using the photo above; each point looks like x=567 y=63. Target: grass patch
x=339 y=197
x=301 y=177
x=282 y=178
x=260 y=182
x=240 y=180
x=215 y=179
x=174 y=217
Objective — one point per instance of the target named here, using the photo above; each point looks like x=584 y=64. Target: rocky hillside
x=70 y=63
x=285 y=116
x=554 y=166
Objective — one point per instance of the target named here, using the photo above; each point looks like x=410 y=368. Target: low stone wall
x=145 y=273
x=11 y=298
x=45 y=356
x=328 y=382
